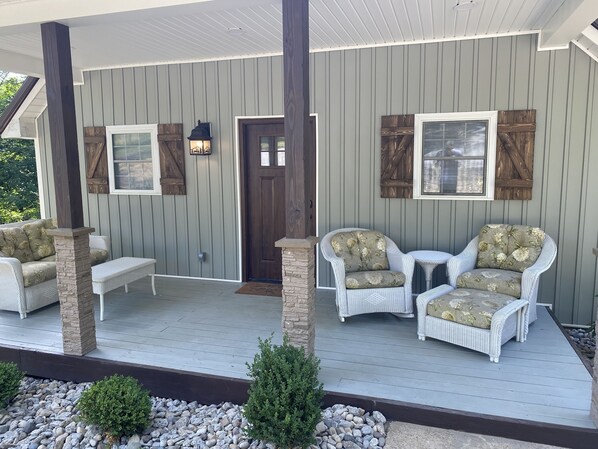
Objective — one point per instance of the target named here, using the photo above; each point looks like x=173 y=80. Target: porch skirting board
x=211 y=389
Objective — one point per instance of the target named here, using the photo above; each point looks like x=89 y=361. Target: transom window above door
x=133 y=159
x=272 y=151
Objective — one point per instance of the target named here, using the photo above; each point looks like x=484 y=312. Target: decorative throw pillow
x=509 y=247
x=42 y=244
x=14 y=243
x=493 y=246
x=361 y=250
x=525 y=246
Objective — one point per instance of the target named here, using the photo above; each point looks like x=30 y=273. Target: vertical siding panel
x=572 y=185
x=349 y=123
x=585 y=311
x=336 y=198
x=214 y=191
x=189 y=121
x=203 y=173
x=82 y=163
x=320 y=104
x=557 y=162
x=228 y=214
x=365 y=153
x=379 y=108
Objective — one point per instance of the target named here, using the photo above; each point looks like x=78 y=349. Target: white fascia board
x=14 y=129
x=567 y=23
x=25 y=12
x=30 y=66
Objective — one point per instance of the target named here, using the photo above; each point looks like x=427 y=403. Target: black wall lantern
x=200 y=140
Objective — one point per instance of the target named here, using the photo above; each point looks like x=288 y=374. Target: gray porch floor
x=203 y=326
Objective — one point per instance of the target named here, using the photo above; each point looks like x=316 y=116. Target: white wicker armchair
x=397 y=300
x=466 y=261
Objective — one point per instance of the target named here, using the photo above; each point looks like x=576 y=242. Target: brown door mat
x=261 y=289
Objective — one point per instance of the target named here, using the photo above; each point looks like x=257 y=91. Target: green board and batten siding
x=350 y=91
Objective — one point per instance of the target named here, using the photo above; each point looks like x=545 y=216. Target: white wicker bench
x=116 y=273
x=507 y=322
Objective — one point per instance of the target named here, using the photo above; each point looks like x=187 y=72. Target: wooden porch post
x=298 y=259
x=71 y=239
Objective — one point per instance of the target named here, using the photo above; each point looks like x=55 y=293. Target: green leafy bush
x=117 y=405
x=285 y=395
x=10 y=381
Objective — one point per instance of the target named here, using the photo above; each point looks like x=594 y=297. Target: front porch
x=204 y=327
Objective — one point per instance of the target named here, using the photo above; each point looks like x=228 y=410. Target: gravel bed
x=43 y=416
x=585 y=342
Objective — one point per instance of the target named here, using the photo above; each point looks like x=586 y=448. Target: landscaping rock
x=44 y=415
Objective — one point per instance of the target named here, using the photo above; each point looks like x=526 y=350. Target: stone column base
x=73 y=275
x=299 y=291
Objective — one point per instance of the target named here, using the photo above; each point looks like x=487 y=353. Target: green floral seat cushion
x=509 y=247
x=374 y=279
x=469 y=307
x=361 y=250
x=14 y=243
x=42 y=244
x=497 y=281
x=37 y=272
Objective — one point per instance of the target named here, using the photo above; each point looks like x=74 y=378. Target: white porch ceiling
x=109 y=33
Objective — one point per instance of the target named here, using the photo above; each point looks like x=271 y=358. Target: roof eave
x=17 y=101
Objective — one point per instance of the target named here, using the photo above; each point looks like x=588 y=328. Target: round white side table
x=429 y=260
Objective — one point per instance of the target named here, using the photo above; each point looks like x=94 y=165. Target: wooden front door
x=263 y=150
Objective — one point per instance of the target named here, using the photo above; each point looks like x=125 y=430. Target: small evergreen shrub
x=10 y=381
x=117 y=405
x=285 y=395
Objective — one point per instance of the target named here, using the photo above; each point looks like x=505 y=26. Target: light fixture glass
x=464 y=5
x=200 y=140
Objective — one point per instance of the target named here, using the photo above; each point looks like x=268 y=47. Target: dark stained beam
x=63 y=127
x=295 y=31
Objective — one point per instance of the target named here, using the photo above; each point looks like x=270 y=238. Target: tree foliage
x=18 y=177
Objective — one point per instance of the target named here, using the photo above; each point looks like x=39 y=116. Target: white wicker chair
x=466 y=261
x=397 y=300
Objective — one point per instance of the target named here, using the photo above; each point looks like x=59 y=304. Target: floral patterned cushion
x=509 y=247
x=498 y=281
x=37 y=272
x=98 y=256
x=374 y=279
x=467 y=306
x=42 y=244
x=14 y=243
x=361 y=250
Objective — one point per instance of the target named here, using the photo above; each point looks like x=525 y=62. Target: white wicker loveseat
x=507 y=259
x=371 y=273
x=28 y=265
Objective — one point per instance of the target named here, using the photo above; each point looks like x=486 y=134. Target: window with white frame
x=454 y=155
x=133 y=159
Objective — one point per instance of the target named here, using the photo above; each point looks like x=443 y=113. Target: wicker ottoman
x=507 y=322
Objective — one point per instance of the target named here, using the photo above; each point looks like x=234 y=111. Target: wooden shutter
x=96 y=159
x=172 y=159
x=515 y=155
x=396 y=180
